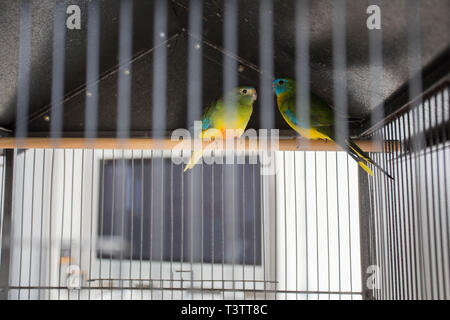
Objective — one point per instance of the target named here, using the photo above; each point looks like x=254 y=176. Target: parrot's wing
x=207 y=118
x=323 y=115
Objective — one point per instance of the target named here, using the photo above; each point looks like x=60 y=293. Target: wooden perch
x=291 y=144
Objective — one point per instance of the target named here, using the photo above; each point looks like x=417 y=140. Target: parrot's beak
x=255 y=95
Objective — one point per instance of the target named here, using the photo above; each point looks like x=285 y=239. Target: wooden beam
x=292 y=144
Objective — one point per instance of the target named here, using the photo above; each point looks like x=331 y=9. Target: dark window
x=151 y=210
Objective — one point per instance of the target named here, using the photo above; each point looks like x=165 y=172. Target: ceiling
x=434 y=42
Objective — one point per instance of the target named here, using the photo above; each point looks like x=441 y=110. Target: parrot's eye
x=281 y=82
x=244 y=91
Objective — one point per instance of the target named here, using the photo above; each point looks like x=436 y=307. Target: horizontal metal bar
x=291 y=144
x=177 y=289
x=182 y=280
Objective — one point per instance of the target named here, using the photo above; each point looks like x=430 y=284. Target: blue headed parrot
x=321 y=123
x=217 y=118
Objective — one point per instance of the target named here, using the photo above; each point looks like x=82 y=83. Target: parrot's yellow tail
x=365 y=168
x=195 y=157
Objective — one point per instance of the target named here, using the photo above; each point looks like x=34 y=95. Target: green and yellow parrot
x=217 y=118
x=321 y=123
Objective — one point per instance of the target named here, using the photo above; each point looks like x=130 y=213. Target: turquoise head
x=282 y=85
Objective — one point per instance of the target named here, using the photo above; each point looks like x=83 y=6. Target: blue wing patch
x=206 y=124
x=291 y=116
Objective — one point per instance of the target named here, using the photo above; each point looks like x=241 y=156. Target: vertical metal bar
x=161 y=216
x=171 y=227
x=316 y=224
x=125 y=66
x=21 y=222
x=191 y=229
x=410 y=212
x=386 y=203
x=338 y=220
x=439 y=168
x=276 y=231
x=340 y=68
x=230 y=40
x=213 y=239
x=285 y=225
x=141 y=243
x=394 y=214
x=407 y=283
x=202 y=240
x=42 y=222
x=253 y=186
x=122 y=209
x=365 y=230
x=266 y=57
x=306 y=227
x=436 y=208
x=50 y=236
x=91 y=234
x=376 y=116
x=443 y=167
x=415 y=88
x=403 y=213
x=23 y=88
x=122 y=222
x=296 y=225
x=393 y=218
x=160 y=68
x=59 y=39
x=112 y=217
x=328 y=229
x=81 y=218
x=195 y=52
x=416 y=206
x=2 y=200
x=131 y=219
x=376 y=71
x=7 y=234
x=431 y=276
x=151 y=223
x=385 y=226
x=195 y=75
x=349 y=230
x=302 y=69
x=230 y=81
x=32 y=223
x=372 y=245
x=182 y=236
x=223 y=225
x=243 y=227
x=92 y=69
x=102 y=214
x=428 y=153
x=71 y=210
x=382 y=223
x=378 y=225
x=263 y=233
x=233 y=223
